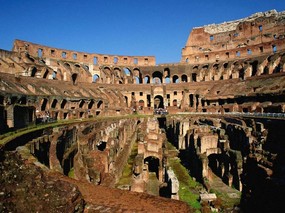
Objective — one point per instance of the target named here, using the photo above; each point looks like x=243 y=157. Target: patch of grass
x=188 y=188
x=71 y=173
x=227 y=202
x=128 y=168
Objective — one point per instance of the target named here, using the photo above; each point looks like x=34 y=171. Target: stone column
x=204 y=160
x=53 y=161
x=10 y=116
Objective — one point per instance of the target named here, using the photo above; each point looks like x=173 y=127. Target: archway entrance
x=153 y=165
x=158 y=102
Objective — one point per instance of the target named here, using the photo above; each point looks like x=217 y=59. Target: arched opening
x=277 y=69
x=241 y=74
x=46 y=74
x=191 y=100
x=42 y=153
x=85 y=67
x=40 y=53
x=68 y=164
x=74 y=78
x=157 y=77
x=215 y=165
x=137 y=80
x=127 y=71
x=265 y=70
x=44 y=104
x=184 y=78
x=23 y=100
x=175 y=79
x=194 y=77
x=274 y=48
x=153 y=165
x=147 y=79
x=174 y=103
x=95 y=60
x=254 y=68
x=33 y=72
x=54 y=75
x=95 y=78
x=167 y=79
x=141 y=104
x=166 y=72
x=127 y=102
x=81 y=104
x=63 y=103
x=90 y=104
x=54 y=103
x=115 y=60
x=100 y=104
x=138 y=76
x=67 y=65
x=158 y=102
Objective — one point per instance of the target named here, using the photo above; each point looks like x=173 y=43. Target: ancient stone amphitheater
x=89 y=132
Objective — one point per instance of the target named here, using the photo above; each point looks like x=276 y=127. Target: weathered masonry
x=65 y=113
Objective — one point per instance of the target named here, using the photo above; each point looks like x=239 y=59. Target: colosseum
x=90 y=132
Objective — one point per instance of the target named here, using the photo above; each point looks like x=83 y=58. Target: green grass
x=188 y=188
x=227 y=202
x=71 y=173
x=126 y=177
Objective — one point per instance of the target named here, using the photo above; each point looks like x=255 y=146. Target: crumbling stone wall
x=258 y=34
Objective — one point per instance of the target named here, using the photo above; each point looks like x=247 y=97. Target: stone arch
x=191 y=100
x=63 y=103
x=138 y=76
x=81 y=104
x=45 y=74
x=254 y=66
x=54 y=104
x=100 y=104
x=184 y=78
x=44 y=104
x=33 y=71
x=96 y=78
x=85 y=67
x=158 y=102
x=74 y=77
x=157 y=77
x=127 y=71
x=166 y=74
x=153 y=165
x=127 y=101
x=194 y=77
x=175 y=79
x=67 y=65
x=141 y=104
x=91 y=104
x=146 y=79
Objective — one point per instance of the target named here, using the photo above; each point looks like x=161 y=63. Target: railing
x=243 y=114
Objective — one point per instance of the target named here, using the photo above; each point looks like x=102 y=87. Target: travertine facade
x=233 y=67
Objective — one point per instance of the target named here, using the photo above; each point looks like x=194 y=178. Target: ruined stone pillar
x=205 y=168
x=53 y=161
x=194 y=102
x=181 y=142
x=10 y=116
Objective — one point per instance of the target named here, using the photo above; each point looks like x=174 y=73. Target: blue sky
x=122 y=27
